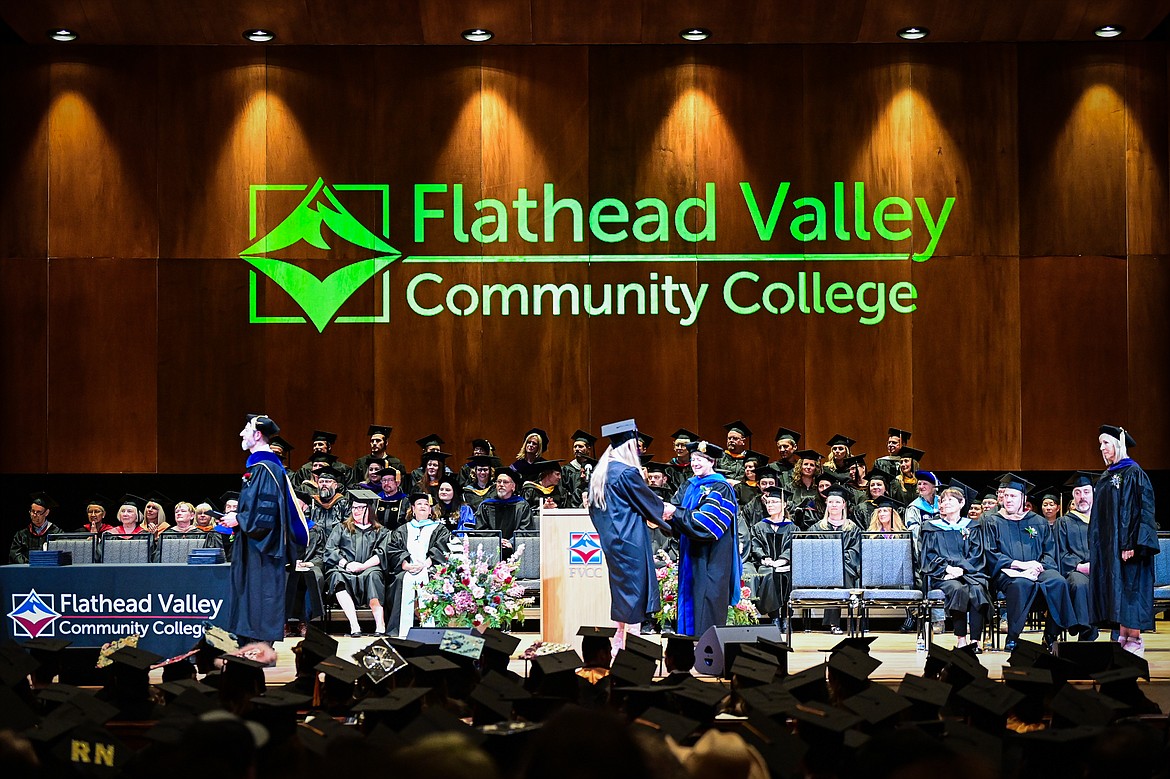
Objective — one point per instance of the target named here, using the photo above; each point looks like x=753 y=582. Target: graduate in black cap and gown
x=354 y=567
x=1072 y=547
x=268 y=529
x=621 y=505
x=1123 y=539
x=771 y=552
x=704 y=521
x=576 y=473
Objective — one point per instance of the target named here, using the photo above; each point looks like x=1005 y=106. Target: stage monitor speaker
x=717 y=648
x=433 y=636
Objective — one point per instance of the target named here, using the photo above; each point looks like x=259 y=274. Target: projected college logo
x=33 y=615
x=584 y=549
x=320 y=208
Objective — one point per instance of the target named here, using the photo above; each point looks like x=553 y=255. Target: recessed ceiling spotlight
x=1109 y=31
x=913 y=33
x=62 y=34
x=477 y=35
x=695 y=34
x=259 y=36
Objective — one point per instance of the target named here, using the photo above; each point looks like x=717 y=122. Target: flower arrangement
x=742 y=613
x=468 y=592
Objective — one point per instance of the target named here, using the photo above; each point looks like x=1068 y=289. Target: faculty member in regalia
x=353 y=561
x=411 y=552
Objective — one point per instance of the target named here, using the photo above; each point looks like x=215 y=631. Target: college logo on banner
x=584 y=549
x=33 y=615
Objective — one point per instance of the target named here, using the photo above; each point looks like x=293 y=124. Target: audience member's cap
x=558 y=662
x=861 y=643
x=632 y=668
x=1026 y=653
x=823 y=717
x=15 y=714
x=432 y=439
x=489 y=706
x=705 y=448
x=367 y=497
x=965 y=660
x=752 y=670
x=787 y=434
x=620 y=432
x=990 y=697
x=379 y=660
x=435 y=720
x=408 y=647
x=135 y=659
x=840 y=440
x=853 y=663
x=877 y=704
x=1072 y=707
x=644 y=647
x=810 y=454
x=808 y=684
x=317 y=644
x=40 y=647
x=498 y=641
x=184 y=685
x=1027 y=679
x=581 y=435
x=665 y=723
x=683 y=434
x=431 y=664
x=396 y=709
x=341 y=670
x=929 y=691
x=1117 y=431
x=596 y=631
x=700 y=700
x=326 y=436
x=910 y=452
x=738 y=427
x=768 y=700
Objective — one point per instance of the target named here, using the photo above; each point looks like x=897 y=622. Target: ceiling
x=409 y=22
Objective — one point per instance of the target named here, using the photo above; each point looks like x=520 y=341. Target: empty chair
x=83 y=546
x=887 y=573
x=126 y=549
x=818 y=575
x=174 y=547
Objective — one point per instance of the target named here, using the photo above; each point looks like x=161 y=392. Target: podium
x=574 y=575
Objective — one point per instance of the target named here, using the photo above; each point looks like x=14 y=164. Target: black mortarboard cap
x=682 y=432
x=1027 y=679
x=914 y=454
x=135 y=659
x=840 y=440
x=396 y=709
x=836 y=489
x=43 y=499
x=791 y=435
x=654 y=467
x=1026 y=653
x=632 y=668
x=1072 y=707
x=385 y=430
x=753 y=670
x=498 y=641
x=759 y=458
x=644 y=647
x=154 y=496
x=809 y=454
x=990 y=698
x=97 y=499
x=857 y=459
x=367 y=497
x=969 y=493
x=853 y=663
x=596 y=631
x=223 y=499
x=808 y=684
x=706 y=448
x=700 y=699
x=877 y=704
x=136 y=501
x=323 y=457
x=282 y=442
x=861 y=643
x=431 y=664
x=739 y=427
x=581 y=435
x=768 y=700
x=434 y=454
x=541 y=434
x=558 y=662
x=1011 y=481
x=431 y=439
x=903 y=434
x=928 y=691
x=339 y=670
x=319 y=644
x=645 y=440
x=482 y=460
x=408 y=647
x=824 y=718
x=435 y=719
x=1117 y=432
x=490 y=706
x=326 y=436
x=43 y=647
x=1082 y=479
x=666 y=723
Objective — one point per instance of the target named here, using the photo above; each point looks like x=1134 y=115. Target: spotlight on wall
x=913 y=33
x=477 y=35
x=1109 y=31
x=259 y=36
x=62 y=34
x=695 y=34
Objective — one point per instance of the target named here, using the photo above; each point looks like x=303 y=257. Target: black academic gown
x=262 y=548
x=25 y=540
x=676 y=474
x=964 y=549
x=397 y=553
x=1028 y=538
x=506 y=516
x=625 y=539
x=356 y=547
x=536 y=494
x=772 y=540
x=573 y=485
x=304 y=596
x=708 y=568
x=1072 y=548
x=473 y=495
x=329 y=517
x=1123 y=519
x=731 y=466
x=393 y=510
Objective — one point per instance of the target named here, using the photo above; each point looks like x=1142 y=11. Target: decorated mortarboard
x=431 y=439
x=705 y=448
x=1117 y=432
x=379 y=660
x=787 y=434
x=910 y=452
x=841 y=440
x=904 y=435
x=857 y=459
x=810 y=454
x=580 y=435
x=759 y=458
x=620 y=432
x=684 y=434
x=1011 y=481
x=91 y=750
x=738 y=426
x=1082 y=479
x=467 y=645
x=666 y=723
x=644 y=647
x=539 y=433
x=107 y=650
x=383 y=430
x=631 y=668
x=877 y=704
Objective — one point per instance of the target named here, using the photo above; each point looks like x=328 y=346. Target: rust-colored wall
x=124 y=188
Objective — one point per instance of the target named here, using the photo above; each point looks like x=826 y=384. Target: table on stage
x=90 y=605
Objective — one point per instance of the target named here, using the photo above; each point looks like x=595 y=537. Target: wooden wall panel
x=214 y=149
x=1072 y=152
x=861 y=139
x=1063 y=305
x=966 y=372
x=1147 y=159
x=23 y=316
x=102 y=378
x=963 y=145
x=209 y=366
x=24 y=183
x=1148 y=286
x=103 y=174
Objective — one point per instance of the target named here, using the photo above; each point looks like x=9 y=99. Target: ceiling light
x=61 y=34
x=259 y=36
x=477 y=35
x=913 y=33
x=1109 y=31
x=695 y=34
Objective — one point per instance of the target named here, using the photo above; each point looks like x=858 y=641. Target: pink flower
x=745 y=592
x=449 y=610
x=516 y=591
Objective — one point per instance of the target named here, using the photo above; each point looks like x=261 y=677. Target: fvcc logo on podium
x=584 y=548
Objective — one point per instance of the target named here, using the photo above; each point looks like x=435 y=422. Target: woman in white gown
x=413 y=548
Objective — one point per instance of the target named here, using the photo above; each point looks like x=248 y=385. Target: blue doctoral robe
x=264 y=544
x=626 y=541
x=709 y=570
x=1122 y=593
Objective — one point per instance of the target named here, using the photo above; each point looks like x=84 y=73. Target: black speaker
x=433 y=636
x=1090 y=657
x=718 y=646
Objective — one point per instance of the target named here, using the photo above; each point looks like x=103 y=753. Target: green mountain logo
x=319 y=209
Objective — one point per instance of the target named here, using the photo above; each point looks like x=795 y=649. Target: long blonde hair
x=896 y=523
x=625 y=453
x=539 y=442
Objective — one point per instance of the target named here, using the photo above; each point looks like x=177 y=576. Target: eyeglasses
x=38 y=512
